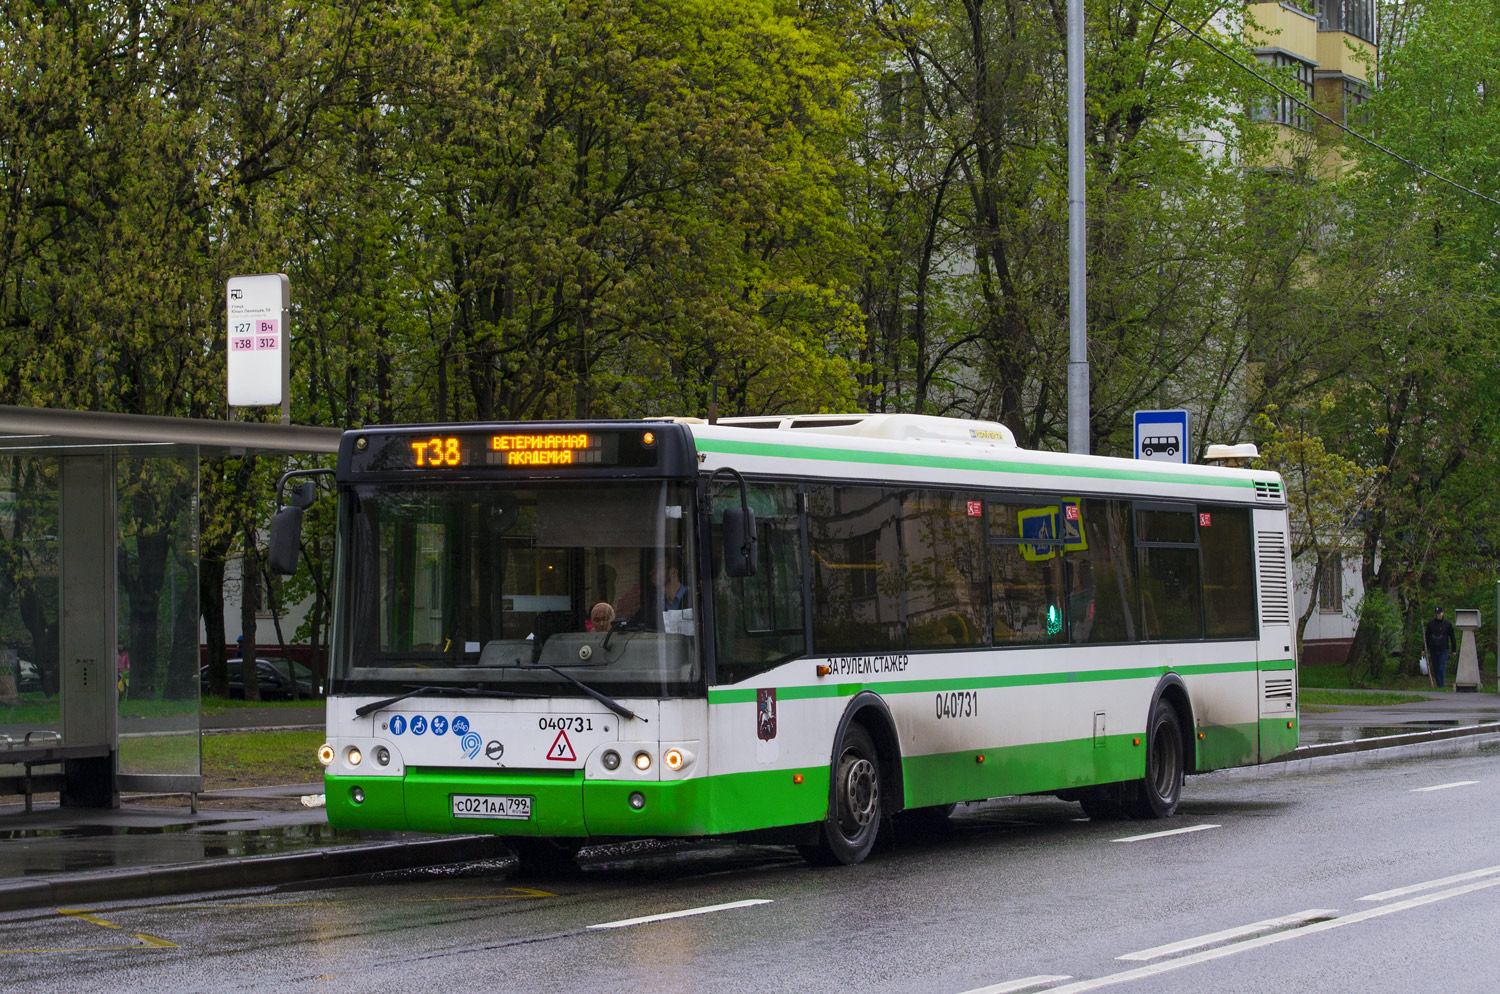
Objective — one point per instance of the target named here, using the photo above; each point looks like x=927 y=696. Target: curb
x=132 y=883
x=1463 y=740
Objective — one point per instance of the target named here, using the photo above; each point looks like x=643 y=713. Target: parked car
x=274 y=685
x=31 y=677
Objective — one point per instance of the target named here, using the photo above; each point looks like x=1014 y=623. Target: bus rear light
x=325 y=754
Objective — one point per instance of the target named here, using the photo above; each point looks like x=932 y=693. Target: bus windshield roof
x=485 y=585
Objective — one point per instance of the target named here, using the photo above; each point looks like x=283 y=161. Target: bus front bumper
x=563 y=805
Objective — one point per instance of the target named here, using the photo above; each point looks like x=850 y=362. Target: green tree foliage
x=1420 y=399
x=508 y=209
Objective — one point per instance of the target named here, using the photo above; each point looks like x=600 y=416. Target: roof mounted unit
x=890 y=426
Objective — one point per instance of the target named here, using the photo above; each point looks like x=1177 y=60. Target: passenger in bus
x=664 y=591
x=600 y=618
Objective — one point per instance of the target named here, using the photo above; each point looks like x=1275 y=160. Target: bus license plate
x=491 y=806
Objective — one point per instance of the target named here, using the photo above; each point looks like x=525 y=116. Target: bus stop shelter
x=99 y=547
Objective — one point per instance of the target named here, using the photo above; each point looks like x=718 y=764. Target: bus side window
x=858 y=588
x=758 y=620
x=1171 y=594
x=1102 y=594
x=1228 y=571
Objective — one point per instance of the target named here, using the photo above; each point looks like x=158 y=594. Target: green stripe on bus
x=747 y=695
x=826 y=454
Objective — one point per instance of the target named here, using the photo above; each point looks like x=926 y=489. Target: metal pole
x=1078 y=362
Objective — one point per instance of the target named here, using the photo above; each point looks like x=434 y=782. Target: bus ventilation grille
x=1278 y=690
x=1268 y=491
x=1275 y=595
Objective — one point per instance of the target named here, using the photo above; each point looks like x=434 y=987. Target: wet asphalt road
x=1381 y=883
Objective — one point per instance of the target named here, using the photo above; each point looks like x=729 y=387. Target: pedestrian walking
x=1440 y=642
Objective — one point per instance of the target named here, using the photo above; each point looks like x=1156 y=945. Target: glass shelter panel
x=156 y=657
x=30 y=677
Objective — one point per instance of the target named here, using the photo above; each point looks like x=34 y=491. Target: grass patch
x=261 y=759
x=1337 y=678
x=218 y=705
x=1351 y=698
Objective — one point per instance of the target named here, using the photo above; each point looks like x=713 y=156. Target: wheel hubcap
x=859 y=794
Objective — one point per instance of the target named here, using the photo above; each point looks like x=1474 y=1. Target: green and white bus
x=789 y=627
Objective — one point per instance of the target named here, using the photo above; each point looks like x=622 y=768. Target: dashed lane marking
x=1162 y=835
x=710 y=909
x=1208 y=955
x=1457 y=878
x=1239 y=932
x=1444 y=786
x=1024 y=984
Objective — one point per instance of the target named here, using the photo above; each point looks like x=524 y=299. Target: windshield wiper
x=365 y=709
x=602 y=698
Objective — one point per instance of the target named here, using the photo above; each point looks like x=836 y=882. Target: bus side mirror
x=286 y=540
x=740 y=538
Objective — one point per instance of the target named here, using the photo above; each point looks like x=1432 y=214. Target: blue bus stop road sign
x=1162 y=435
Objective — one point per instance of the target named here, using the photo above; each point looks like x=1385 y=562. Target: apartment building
x=1330 y=48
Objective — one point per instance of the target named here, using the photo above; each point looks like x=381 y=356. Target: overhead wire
x=1337 y=124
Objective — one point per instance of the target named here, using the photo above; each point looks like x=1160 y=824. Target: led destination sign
x=407 y=451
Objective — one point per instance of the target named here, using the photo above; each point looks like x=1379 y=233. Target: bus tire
x=1157 y=793
x=848 y=834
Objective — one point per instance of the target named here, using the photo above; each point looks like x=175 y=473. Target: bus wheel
x=1157 y=793
x=848 y=833
x=550 y=857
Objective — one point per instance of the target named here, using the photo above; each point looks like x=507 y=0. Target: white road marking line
x=1025 y=983
x=1160 y=835
x=683 y=914
x=1457 y=878
x=1445 y=786
x=1156 y=952
x=1207 y=955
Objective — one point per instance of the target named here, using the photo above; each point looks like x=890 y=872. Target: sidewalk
x=155 y=845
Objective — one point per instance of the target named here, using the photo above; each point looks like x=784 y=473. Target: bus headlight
x=353 y=756
x=325 y=754
x=610 y=759
x=382 y=756
x=643 y=761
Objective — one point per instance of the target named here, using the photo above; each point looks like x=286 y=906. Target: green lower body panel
x=568 y=806
x=1220 y=747
x=961 y=776
x=1278 y=736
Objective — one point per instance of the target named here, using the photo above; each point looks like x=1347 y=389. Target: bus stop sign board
x=1161 y=435
x=259 y=364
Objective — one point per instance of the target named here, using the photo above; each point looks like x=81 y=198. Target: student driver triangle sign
x=562 y=750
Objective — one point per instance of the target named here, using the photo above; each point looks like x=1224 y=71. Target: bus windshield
x=497 y=587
